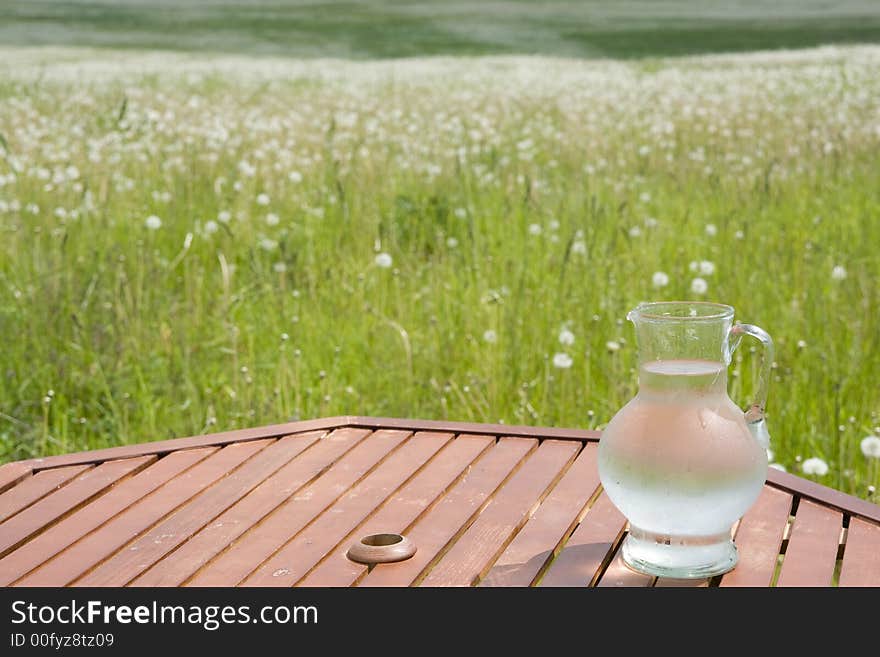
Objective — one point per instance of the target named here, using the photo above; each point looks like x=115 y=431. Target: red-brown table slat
x=61 y=502
x=539 y=539
x=67 y=531
x=861 y=557
x=219 y=439
x=36 y=488
x=406 y=506
x=475 y=551
x=759 y=539
x=250 y=510
x=114 y=534
x=583 y=555
x=12 y=474
x=263 y=540
x=811 y=554
x=308 y=547
x=454 y=513
x=173 y=530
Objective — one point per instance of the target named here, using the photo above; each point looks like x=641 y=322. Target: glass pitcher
x=681 y=461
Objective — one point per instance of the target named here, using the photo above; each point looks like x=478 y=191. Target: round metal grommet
x=381 y=548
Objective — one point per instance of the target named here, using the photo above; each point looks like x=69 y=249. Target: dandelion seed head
x=153 y=222
x=384 y=260
x=699 y=286
x=562 y=361
x=660 y=279
x=815 y=466
x=566 y=337
x=870 y=446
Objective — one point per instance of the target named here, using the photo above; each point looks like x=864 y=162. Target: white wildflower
x=838 y=273
x=699 y=286
x=384 y=260
x=815 y=466
x=211 y=227
x=272 y=219
x=566 y=337
x=711 y=230
x=562 y=361
x=871 y=447
x=153 y=222
x=279 y=267
x=535 y=229
x=224 y=217
x=490 y=336
x=660 y=279
x=295 y=177
x=268 y=244
x=707 y=268
x=263 y=199
x=579 y=247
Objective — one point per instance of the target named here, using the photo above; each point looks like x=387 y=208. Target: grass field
x=190 y=244
x=394 y=28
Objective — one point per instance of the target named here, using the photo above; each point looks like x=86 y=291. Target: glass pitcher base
x=680 y=558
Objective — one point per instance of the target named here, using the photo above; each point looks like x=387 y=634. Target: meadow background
x=217 y=216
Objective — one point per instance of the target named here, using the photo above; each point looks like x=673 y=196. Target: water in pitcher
x=680 y=461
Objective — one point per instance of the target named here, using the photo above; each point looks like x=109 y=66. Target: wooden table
x=487 y=505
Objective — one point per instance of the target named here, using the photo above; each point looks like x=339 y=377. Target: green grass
x=506 y=193
x=391 y=28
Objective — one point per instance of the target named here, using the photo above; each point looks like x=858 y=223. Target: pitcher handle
x=755 y=412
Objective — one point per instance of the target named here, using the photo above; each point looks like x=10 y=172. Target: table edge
x=805 y=488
